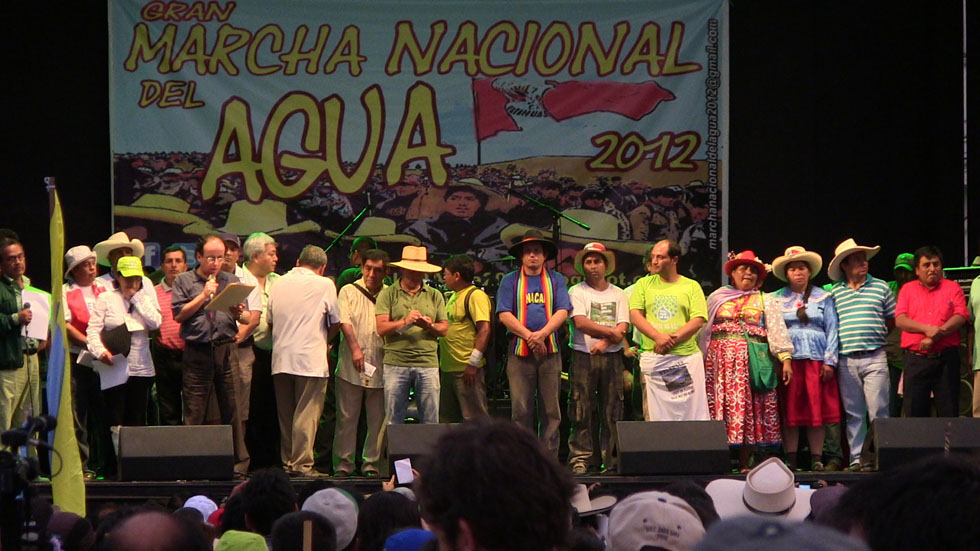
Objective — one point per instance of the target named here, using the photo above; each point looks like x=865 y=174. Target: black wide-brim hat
x=533 y=236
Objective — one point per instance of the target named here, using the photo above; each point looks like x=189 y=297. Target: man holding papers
x=360 y=380
x=19 y=377
x=210 y=341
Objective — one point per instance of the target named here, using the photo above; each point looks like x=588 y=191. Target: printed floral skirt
x=750 y=418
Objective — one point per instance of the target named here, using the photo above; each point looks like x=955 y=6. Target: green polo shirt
x=415 y=347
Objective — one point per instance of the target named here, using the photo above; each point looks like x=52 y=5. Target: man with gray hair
x=303 y=316
x=255 y=350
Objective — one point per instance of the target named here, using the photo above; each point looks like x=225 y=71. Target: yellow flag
x=67 y=482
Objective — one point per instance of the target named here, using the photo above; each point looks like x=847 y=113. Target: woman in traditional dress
x=811 y=398
x=737 y=313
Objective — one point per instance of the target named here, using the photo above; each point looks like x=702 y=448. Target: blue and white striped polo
x=862 y=313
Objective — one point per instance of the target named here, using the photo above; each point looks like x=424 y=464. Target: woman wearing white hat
x=811 y=398
x=80 y=292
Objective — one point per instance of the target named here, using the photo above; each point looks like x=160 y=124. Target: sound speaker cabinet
x=414 y=441
x=901 y=440
x=672 y=447
x=202 y=452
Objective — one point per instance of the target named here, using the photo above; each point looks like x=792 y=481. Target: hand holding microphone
x=25 y=316
x=210 y=288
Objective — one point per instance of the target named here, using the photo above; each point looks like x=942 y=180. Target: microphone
x=27 y=306
x=211 y=294
x=41 y=423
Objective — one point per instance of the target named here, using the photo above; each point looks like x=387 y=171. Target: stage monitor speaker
x=414 y=441
x=201 y=452
x=672 y=447
x=901 y=440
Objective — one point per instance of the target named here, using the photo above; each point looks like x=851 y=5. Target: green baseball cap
x=905 y=261
x=129 y=266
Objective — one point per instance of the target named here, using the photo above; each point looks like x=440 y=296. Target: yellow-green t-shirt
x=455 y=347
x=668 y=306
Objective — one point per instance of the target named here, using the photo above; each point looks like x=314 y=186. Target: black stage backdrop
x=846 y=122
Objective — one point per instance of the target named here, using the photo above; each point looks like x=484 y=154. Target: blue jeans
x=864 y=391
x=398 y=380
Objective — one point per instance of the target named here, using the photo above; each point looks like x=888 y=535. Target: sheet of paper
x=112 y=375
x=233 y=294
x=41 y=311
x=369 y=369
x=403 y=471
x=134 y=324
x=86 y=358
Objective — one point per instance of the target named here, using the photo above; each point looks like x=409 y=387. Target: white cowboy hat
x=597 y=248
x=117 y=240
x=796 y=253
x=77 y=255
x=417 y=260
x=586 y=505
x=769 y=490
x=843 y=251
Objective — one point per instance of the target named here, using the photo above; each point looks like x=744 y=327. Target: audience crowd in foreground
x=492 y=485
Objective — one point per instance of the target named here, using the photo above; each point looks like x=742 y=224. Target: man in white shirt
x=599 y=320
x=360 y=376
x=255 y=351
x=303 y=316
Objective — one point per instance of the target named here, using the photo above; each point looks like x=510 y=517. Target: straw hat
x=796 y=253
x=768 y=490
x=845 y=249
x=116 y=241
x=745 y=257
x=76 y=256
x=586 y=505
x=416 y=259
x=595 y=248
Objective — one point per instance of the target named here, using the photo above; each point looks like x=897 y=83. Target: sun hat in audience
x=413 y=539
x=769 y=490
x=769 y=534
x=236 y=540
x=654 y=519
x=586 y=505
x=203 y=504
x=339 y=508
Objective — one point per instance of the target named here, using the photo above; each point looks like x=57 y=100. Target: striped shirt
x=862 y=313
x=169 y=329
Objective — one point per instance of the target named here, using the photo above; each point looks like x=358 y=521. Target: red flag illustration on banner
x=491 y=110
x=565 y=100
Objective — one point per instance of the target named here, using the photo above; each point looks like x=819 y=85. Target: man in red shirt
x=168 y=347
x=930 y=312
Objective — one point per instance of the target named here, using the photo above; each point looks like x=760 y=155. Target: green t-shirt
x=415 y=347
x=455 y=347
x=668 y=306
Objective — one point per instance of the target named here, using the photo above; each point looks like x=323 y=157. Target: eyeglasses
x=214 y=258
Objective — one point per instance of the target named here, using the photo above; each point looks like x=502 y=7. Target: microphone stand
x=556 y=214
x=343 y=233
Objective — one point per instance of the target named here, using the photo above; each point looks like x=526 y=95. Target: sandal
x=817 y=466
